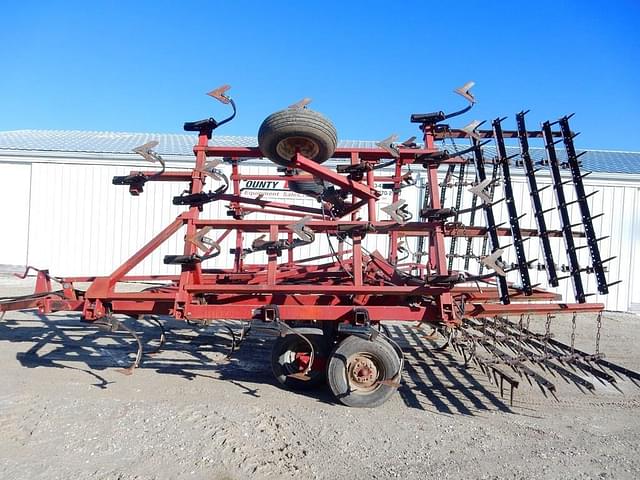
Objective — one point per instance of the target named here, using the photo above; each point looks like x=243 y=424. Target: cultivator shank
x=345 y=291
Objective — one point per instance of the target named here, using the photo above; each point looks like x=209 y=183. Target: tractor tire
x=356 y=368
x=286 y=132
x=289 y=354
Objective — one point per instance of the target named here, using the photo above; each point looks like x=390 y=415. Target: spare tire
x=286 y=132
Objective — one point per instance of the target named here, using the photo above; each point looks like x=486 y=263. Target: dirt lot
x=66 y=412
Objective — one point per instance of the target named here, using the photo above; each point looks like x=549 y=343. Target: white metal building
x=60 y=210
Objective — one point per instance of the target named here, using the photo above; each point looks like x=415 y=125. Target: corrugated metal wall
x=15 y=185
x=68 y=217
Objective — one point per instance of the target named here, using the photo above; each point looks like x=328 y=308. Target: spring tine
x=611 y=284
x=136 y=362
x=163 y=337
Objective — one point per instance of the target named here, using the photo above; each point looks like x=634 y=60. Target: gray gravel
x=67 y=412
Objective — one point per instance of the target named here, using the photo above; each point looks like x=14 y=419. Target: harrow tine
x=472 y=220
x=511 y=208
x=492 y=228
x=565 y=222
x=534 y=193
x=581 y=358
x=452 y=247
x=572 y=160
x=443 y=186
x=517 y=365
x=552 y=353
x=577 y=379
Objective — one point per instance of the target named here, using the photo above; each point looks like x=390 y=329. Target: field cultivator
x=468 y=281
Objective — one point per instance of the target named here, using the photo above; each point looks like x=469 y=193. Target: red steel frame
x=295 y=290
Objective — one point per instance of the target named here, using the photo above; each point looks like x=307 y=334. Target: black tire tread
x=297 y=122
x=315 y=335
x=335 y=371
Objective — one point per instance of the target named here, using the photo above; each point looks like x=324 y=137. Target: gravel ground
x=67 y=412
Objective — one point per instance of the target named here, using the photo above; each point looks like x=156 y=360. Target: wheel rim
x=364 y=371
x=296 y=360
x=288 y=147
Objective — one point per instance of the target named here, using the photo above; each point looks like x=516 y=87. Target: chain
x=547 y=334
x=495 y=330
x=521 y=342
x=598 y=328
x=484 y=329
x=573 y=332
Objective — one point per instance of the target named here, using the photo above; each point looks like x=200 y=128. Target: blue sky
x=144 y=66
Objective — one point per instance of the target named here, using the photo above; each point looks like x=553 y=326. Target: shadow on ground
x=434 y=381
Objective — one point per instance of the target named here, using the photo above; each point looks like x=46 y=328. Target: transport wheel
x=286 y=132
x=291 y=355
x=313 y=188
x=356 y=369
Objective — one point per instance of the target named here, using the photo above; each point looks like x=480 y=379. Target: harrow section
x=328 y=309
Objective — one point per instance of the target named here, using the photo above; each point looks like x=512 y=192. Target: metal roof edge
x=132 y=160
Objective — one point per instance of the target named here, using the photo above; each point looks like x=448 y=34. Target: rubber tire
x=337 y=371
x=312 y=188
x=297 y=122
x=286 y=343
